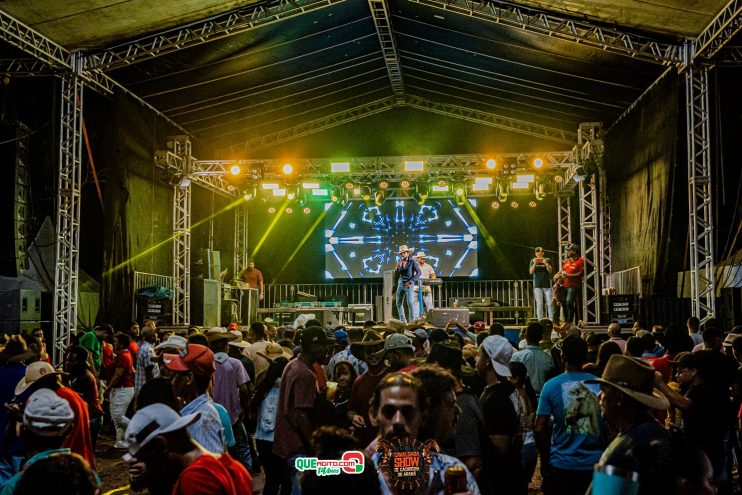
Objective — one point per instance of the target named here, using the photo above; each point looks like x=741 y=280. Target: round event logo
x=405 y=463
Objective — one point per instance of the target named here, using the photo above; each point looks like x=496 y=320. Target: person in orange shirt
x=572 y=270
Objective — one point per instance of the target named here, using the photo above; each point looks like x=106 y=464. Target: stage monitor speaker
x=326 y=317
x=248 y=306
x=441 y=316
x=215 y=265
x=206 y=302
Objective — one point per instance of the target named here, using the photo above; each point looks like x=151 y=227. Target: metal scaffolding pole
x=69 y=177
x=182 y=233
x=590 y=249
x=240 y=239
x=703 y=284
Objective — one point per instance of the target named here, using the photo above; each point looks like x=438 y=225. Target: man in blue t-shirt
x=572 y=446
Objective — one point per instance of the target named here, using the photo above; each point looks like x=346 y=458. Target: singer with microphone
x=407 y=273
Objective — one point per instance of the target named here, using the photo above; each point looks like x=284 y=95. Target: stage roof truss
x=383 y=24
x=214 y=28
x=722 y=29
x=577 y=31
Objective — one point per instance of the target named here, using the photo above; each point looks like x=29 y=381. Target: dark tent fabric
x=641 y=163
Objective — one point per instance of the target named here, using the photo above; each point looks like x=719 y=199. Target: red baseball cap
x=233 y=326
x=478 y=325
x=195 y=358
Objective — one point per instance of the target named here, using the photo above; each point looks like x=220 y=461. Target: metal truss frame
x=181 y=146
x=69 y=182
x=221 y=26
x=383 y=23
x=605 y=229
x=702 y=270
x=719 y=31
x=564 y=28
x=370 y=169
x=492 y=120
x=564 y=224
x=590 y=249
x=240 y=238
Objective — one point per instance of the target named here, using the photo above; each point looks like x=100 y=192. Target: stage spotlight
x=349 y=186
x=289 y=209
x=357 y=191
x=292 y=191
x=365 y=193
x=558 y=179
x=340 y=167
x=539 y=190
x=336 y=192
x=525 y=178
x=422 y=191
x=405 y=184
x=269 y=185
x=307 y=211
x=378 y=198
x=383 y=184
x=495 y=204
x=230 y=187
x=287 y=169
x=514 y=204
x=413 y=166
x=501 y=192
x=442 y=183
x=491 y=164
x=235 y=170
x=459 y=193
x=271 y=210
x=532 y=204
x=250 y=193
x=538 y=163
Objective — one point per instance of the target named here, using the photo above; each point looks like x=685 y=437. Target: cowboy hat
x=274 y=351
x=404 y=249
x=219 y=333
x=370 y=338
x=238 y=342
x=421 y=254
x=35 y=371
x=635 y=378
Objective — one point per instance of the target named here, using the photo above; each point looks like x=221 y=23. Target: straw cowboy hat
x=219 y=333
x=635 y=378
x=421 y=254
x=274 y=351
x=404 y=249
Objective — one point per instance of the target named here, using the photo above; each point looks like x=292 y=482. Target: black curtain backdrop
x=138 y=203
x=648 y=199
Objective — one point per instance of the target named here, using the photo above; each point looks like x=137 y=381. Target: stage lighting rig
x=538 y=162
x=501 y=191
x=235 y=170
x=365 y=192
x=491 y=164
x=379 y=198
x=459 y=193
x=422 y=191
x=287 y=169
x=336 y=193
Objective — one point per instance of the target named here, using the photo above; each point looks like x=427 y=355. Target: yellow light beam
x=172 y=237
x=279 y=213
x=489 y=240
x=301 y=243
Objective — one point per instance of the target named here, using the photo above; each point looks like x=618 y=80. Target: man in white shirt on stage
x=426 y=272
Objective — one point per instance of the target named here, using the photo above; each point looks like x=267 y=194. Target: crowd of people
x=206 y=411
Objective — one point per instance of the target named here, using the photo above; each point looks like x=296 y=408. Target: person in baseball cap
x=399 y=352
x=173 y=461
x=191 y=372
x=47 y=420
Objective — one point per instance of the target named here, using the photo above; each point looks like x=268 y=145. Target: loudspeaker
x=441 y=316
x=206 y=302
x=215 y=265
x=326 y=317
x=14 y=198
x=248 y=306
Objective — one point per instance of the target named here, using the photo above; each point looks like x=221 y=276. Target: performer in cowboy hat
x=426 y=272
x=407 y=271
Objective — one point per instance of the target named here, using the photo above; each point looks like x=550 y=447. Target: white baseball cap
x=151 y=421
x=47 y=414
x=499 y=350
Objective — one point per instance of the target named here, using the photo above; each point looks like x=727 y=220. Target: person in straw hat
x=426 y=272
x=407 y=272
x=370 y=350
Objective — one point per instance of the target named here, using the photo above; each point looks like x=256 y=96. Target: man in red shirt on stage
x=572 y=270
x=253 y=277
x=172 y=462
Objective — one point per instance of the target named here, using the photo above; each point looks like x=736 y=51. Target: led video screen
x=361 y=241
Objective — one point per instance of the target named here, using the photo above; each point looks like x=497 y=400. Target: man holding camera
x=572 y=270
x=541 y=269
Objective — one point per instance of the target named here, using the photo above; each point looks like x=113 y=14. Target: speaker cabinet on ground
x=441 y=316
x=206 y=302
